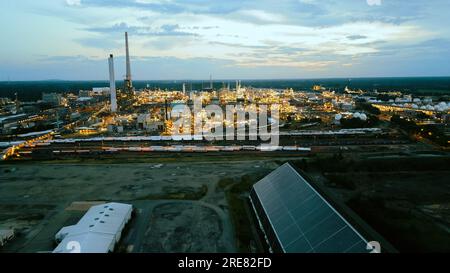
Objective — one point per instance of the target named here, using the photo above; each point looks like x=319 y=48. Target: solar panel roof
x=302 y=220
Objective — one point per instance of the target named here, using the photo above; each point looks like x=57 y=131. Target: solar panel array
x=303 y=221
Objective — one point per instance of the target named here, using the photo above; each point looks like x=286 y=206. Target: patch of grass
x=339 y=181
x=406 y=231
x=339 y=163
x=31 y=217
x=224 y=183
x=301 y=164
x=237 y=193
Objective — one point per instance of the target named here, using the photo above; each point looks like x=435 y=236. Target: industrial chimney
x=128 y=82
x=112 y=84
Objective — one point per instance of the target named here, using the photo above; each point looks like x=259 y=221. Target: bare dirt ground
x=179 y=207
x=179 y=227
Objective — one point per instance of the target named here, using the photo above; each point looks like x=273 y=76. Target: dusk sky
x=232 y=39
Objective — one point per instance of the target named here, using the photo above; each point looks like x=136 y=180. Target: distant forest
x=32 y=90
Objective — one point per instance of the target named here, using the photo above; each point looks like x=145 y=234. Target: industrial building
x=98 y=230
x=296 y=218
x=52 y=98
x=100 y=91
x=145 y=122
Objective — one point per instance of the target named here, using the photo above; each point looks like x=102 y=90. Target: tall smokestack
x=128 y=57
x=112 y=84
x=128 y=82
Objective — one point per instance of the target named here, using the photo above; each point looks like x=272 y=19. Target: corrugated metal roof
x=301 y=218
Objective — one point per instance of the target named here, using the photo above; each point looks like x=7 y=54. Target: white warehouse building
x=98 y=230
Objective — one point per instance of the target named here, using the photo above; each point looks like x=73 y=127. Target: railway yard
x=177 y=204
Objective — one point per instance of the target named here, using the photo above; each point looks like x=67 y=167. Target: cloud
x=356 y=37
x=374 y=2
x=174 y=6
x=238 y=45
x=247 y=34
x=73 y=2
x=64 y=59
x=104 y=43
x=262 y=16
x=310 y=65
x=163 y=30
x=210 y=27
x=169 y=43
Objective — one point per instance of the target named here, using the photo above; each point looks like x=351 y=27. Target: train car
x=181 y=137
x=227 y=149
x=188 y=148
x=269 y=148
x=155 y=138
x=112 y=150
x=237 y=148
x=212 y=149
x=43 y=144
x=158 y=148
x=290 y=148
x=175 y=149
x=199 y=149
x=248 y=148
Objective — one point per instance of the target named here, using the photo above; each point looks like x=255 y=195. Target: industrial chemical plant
x=132 y=181
x=113 y=121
